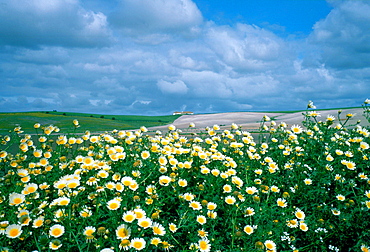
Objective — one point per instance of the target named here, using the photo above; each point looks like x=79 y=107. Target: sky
x=154 y=57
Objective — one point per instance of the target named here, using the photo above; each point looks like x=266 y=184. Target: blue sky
x=155 y=57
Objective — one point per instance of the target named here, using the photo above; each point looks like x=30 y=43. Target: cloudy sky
x=153 y=57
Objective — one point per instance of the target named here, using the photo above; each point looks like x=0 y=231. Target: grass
x=95 y=122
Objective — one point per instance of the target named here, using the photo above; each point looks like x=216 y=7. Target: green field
x=92 y=122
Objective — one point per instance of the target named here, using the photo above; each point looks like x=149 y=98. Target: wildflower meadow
x=288 y=188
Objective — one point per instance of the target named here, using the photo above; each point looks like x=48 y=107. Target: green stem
x=37 y=244
x=78 y=244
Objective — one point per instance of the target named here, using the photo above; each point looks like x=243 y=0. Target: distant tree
x=91 y=116
x=102 y=116
x=113 y=118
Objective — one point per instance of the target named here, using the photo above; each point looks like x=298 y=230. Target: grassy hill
x=92 y=122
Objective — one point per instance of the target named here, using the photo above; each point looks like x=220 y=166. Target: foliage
x=295 y=189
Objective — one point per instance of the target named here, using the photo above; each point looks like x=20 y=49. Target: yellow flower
x=195 y=205
x=303 y=226
x=300 y=214
x=138 y=243
x=172 y=227
x=230 y=200
x=38 y=222
x=308 y=181
x=227 y=188
x=164 y=180
x=248 y=229
x=63 y=201
x=296 y=129
x=88 y=232
x=155 y=241
x=123 y=232
x=56 y=231
x=340 y=197
x=113 y=204
x=55 y=244
x=140 y=213
x=16 y=199
x=270 y=245
x=211 y=206
x=281 y=202
x=182 y=182
x=13 y=231
x=201 y=219
x=145 y=222
x=204 y=245
x=158 y=229
x=145 y=154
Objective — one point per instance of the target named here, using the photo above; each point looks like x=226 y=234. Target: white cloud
x=37 y=23
x=246 y=47
x=52 y=60
x=143 y=17
x=344 y=35
x=176 y=87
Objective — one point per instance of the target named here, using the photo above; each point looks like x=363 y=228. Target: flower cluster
x=299 y=188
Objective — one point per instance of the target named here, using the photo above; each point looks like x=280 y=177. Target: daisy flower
x=296 y=129
x=155 y=241
x=303 y=226
x=13 y=231
x=248 y=229
x=55 y=244
x=211 y=206
x=113 y=204
x=300 y=214
x=230 y=200
x=140 y=213
x=172 y=227
x=38 y=222
x=125 y=244
x=270 y=245
x=138 y=243
x=308 y=181
x=195 y=205
x=182 y=182
x=212 y=214
x=158 y=229
x=16 y=199
x=201 y=219
x=88 y=232
x=340 y=197
x=204 y=245
x=123 y=232
x=164 y=180
x=251 y=190
x=145 y=222
x=335 y=211
x=129 y=216
x=56 y=231
x=281 y=202
x=249 y=211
